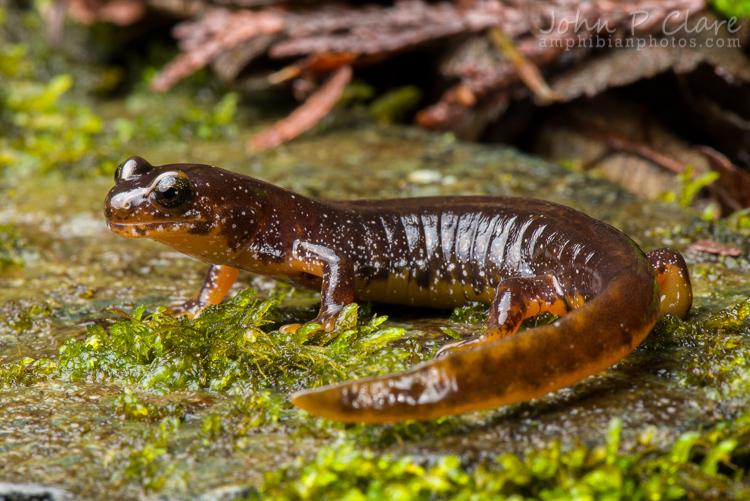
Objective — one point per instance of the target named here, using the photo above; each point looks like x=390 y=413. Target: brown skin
x=520 y=256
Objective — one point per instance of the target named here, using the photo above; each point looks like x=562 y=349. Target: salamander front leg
x=516 y=300
x=218 y=281
x=337 y=289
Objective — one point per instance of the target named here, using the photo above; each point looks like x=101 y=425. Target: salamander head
x=199 y=210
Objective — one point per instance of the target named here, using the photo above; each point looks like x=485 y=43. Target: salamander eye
x=173 y=191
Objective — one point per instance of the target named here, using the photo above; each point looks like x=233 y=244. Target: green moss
x=478 y=313
x=165 y=353
x=716 y=350
x=689 y=187
x=472 y=313
x=12 y=248
x=739 y=221
x=228 y=425
x=346 y=471
x=129 y=406
x=729 y=8
x=25 y=372
x=394 y=105
x=391 y=106
x=149 y=460
x=355 y=92
x=44 y=130
x=229 y=350
x=41 y=131
x=226 y=350
x=258 y=409
x=232 y=348
x=175 y=117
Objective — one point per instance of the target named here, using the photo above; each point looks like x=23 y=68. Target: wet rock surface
x=65 y=435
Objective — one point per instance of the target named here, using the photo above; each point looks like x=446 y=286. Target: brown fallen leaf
x=566 y=36
x=119 y=12
x=218 y=31
x=375 y=29
x=323 y=34
x=623 y=66
x=549 y=38
x=306 y=116
x=713 y=247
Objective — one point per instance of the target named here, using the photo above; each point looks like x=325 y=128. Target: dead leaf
x=713 y=247
x=218 y=31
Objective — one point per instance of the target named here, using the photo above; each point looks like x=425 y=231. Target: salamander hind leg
x=675 y=291
x=516 y=300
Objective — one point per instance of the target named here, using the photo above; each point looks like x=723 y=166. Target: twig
x=306 y=116
x=620 y=143
x=528 y=72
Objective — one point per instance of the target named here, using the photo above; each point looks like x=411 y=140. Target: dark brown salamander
x=521 y=256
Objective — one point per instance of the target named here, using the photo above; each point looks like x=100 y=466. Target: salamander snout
x=124 y=206
x=128 y=195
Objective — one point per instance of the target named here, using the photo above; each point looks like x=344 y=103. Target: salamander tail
x=516 y=368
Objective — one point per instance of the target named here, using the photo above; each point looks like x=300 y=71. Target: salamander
x=520 y=256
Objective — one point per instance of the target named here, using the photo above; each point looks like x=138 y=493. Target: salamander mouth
x=139 y=230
